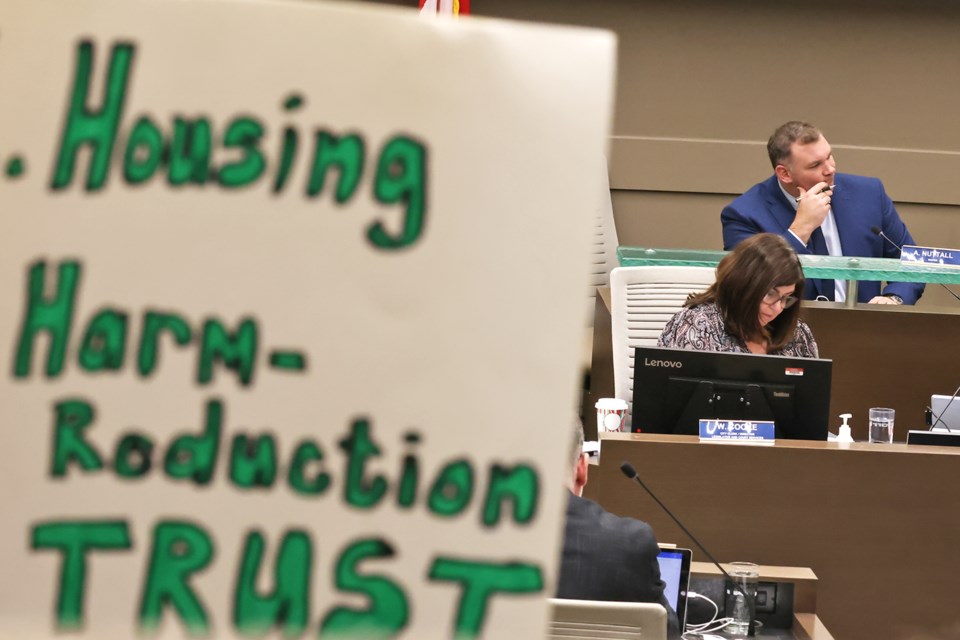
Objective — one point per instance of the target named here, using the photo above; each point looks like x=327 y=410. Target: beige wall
x=702 y=84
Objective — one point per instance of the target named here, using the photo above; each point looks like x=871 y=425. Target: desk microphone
x=878 y=231
x=631 y=473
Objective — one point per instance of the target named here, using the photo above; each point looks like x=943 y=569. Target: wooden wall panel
x=878 y=524
x=702 y=83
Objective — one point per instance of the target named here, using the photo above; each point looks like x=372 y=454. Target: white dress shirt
x=832 y=238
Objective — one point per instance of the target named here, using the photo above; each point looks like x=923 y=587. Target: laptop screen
x=675 y=573
x=946 y=413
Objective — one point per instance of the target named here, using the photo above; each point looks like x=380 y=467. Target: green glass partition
x=846 y=268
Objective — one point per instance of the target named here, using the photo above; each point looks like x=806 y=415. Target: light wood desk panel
x=878 y=524
x=887 y=357
x=882 y=356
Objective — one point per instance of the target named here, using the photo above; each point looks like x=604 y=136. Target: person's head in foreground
x=581 y=465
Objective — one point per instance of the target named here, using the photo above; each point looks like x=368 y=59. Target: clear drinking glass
x=746 y=575
x=881 y=424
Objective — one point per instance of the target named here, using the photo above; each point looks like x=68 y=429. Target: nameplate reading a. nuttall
x=913 y=255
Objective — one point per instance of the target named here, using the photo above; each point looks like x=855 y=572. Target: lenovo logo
x=672 y=364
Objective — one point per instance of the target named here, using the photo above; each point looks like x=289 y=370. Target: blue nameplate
x=929 y=255
x=738 y=431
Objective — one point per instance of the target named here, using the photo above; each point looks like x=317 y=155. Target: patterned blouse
x=700 y=328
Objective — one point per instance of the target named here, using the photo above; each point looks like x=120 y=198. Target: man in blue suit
x=822 y=212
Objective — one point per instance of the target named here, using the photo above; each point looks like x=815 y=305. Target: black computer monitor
x=673 y=389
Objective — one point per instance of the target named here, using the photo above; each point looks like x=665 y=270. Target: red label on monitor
x=793 y=371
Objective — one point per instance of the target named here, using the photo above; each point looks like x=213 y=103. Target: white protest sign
x=292 y=311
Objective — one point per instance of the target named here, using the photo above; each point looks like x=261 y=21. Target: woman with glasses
x=751 y=308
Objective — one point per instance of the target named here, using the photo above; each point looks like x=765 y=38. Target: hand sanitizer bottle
x=844 y=435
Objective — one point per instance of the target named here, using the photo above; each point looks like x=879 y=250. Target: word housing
x=196 y=153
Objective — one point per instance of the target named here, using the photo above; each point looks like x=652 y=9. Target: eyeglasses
x=773 y=297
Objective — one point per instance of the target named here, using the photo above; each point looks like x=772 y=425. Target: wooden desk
x=879 y=525
x=806 y=625
x=883 y=356
x=886 y=357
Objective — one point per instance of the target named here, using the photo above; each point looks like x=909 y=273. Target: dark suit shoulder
x=856 y=183
x=616 y=528
x=606 y=557
x=590 y=509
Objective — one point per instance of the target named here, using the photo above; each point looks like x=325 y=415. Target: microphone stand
x=933 y=423
x=631 y=473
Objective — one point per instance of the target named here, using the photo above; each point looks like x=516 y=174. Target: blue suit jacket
x=858 y=203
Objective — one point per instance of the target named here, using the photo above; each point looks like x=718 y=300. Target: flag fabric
x=445 y=7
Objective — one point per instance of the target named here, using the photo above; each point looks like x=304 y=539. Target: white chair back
x=604 y=255
x=589 y=619
x=643 y=300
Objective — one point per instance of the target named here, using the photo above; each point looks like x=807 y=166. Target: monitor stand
x=726 y=402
